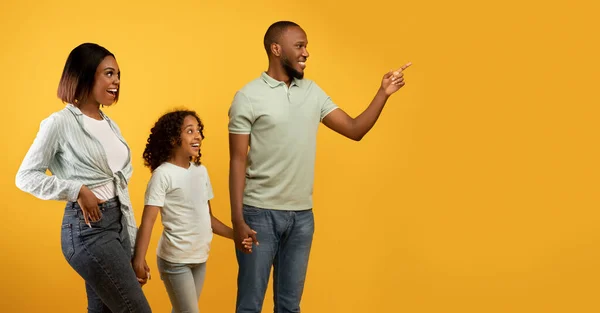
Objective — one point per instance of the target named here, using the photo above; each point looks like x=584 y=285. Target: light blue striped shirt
x=75 y=158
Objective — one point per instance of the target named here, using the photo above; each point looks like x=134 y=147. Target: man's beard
x=290 y=70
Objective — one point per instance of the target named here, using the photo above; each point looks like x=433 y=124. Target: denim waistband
x=110 y=204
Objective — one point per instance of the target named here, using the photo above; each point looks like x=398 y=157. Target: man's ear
x=276 y=49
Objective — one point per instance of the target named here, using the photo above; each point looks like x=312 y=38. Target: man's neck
x=278 y=73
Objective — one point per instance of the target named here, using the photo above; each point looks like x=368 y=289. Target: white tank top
x=116 y=152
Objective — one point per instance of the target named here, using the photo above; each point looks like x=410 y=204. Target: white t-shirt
x=116 y=152
x=183 y=195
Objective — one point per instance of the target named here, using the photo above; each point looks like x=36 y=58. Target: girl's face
x=191 y=139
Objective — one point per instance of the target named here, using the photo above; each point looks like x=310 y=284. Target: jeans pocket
x=66 y=241
x=96 y=224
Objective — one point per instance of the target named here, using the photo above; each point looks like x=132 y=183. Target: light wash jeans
x=183 y=283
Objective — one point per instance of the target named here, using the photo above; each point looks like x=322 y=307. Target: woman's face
x=106 y=81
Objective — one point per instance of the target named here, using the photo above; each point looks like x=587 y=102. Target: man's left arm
x=356 y=128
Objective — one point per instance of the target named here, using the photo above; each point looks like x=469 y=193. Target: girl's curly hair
x=165 y=136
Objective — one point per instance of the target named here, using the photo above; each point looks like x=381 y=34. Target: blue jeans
x=285 y=238
x=101 y=255
x=183 y=283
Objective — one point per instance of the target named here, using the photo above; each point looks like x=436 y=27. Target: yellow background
x=477 y=190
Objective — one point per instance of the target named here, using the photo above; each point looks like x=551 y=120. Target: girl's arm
x=143 y=240
x=223 y=230
x=218 y=227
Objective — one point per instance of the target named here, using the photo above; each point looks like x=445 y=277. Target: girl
x=91 y=166
x=180 y=189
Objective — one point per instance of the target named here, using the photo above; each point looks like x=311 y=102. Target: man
x=273 y=123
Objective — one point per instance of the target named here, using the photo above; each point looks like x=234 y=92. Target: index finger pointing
x=405 y=66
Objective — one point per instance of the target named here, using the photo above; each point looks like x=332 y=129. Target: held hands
x=142 y=271
x=89 y=205
x=247 y=244
x=394 y=80
x=244 y=237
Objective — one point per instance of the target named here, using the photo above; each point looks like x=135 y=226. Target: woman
x=91 y=166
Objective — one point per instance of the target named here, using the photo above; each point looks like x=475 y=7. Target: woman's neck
x=90 y=109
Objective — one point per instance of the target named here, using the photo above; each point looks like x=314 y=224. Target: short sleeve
x=209 y=190
x=327 y=105
x=240 y=114
x=156 y=190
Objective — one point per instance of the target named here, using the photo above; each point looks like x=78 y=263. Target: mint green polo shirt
x=282 y=123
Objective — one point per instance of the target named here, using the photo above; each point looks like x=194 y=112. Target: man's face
x=294 y=54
